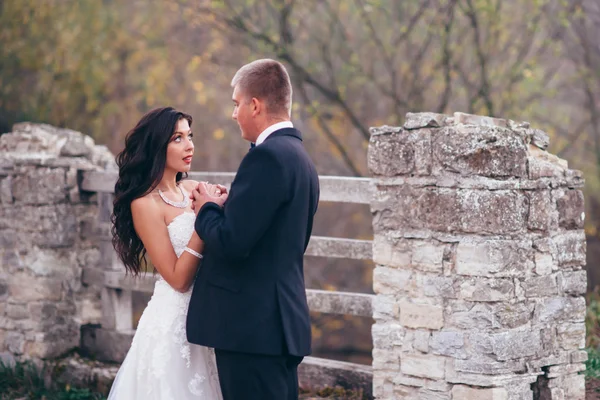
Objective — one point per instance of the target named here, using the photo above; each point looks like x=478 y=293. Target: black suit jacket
x=249 y=294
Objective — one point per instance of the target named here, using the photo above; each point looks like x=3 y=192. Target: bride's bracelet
x=193 y=252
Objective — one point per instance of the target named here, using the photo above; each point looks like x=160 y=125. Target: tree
x=361 y=63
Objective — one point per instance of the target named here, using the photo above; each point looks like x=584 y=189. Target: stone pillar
x=479 y=250
x=46 y=238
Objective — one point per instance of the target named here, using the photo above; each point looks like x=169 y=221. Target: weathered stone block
x=544 y=263
x=542 y=164
x=476 y=364
x=427 y=256
x=512 y=315
x=574 y=178
x=570 y=248
x=501 y=258
x=6 y=196
x=56 y=341
x=480 y=150
x=387 y=336
x=573 y=282
x=549 y=343
x=44 y=226
x=538 y=138
x=382 y=388
x=541 y=286
x=421 y=315
x=408 y=254
x=448 y=343
x=579 y=356
x=434 y=286
x=518 y=125
x=15 y=342
x=24 y=289
x=559 y=309
x=389 y=252
x=466 y=315
x=390 y=280
x=460 y=392
x=555 y=371
x=421 y=340
x=571 y=336
x=423 y=365
x=542 y=211
x=424 y=120
x=571 y=209
x=449 y=210
x=515 y=344
x=398 y=152
x=42 y=311
x=432 y=394
x=16 y=311
x=405 y=380
x=487 y=289
x=40 y=186
x=573 y=386
x=416 y=340
x=46 y=139
x=479 y=120
x=57 y=263
x=385 y=360
x=385 y=308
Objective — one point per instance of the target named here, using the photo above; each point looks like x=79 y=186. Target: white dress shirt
x=275 y=127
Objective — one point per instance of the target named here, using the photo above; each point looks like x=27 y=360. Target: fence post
x=479 y=250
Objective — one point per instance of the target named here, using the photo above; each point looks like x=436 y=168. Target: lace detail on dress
x=180 y=231
x=161 y=364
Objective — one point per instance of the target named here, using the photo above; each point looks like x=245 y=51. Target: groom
x=249 y=300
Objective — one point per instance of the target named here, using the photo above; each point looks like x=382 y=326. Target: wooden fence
x=111 y=340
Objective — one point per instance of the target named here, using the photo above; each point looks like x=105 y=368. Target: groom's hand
x=205 y=193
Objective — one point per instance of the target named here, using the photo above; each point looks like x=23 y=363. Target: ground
x=592 y=389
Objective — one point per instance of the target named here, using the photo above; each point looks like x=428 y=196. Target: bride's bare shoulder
x=145 y=204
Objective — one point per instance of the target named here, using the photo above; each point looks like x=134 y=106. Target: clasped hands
x=207 y=192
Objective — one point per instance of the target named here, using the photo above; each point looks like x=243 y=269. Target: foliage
x=592 y=320
x=24 y=380
x=593 y=364
x=97 y=66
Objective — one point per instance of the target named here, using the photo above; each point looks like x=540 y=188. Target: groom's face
x=243 y=114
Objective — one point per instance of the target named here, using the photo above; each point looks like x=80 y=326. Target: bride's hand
x=206 y=192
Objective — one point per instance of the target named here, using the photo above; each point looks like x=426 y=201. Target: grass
x=24 y=381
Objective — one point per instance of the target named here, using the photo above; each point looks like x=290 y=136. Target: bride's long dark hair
x=141 y=167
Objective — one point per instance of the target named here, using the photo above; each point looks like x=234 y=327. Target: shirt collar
x=275 y=127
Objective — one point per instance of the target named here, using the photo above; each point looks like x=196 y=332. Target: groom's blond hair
x=266 y=80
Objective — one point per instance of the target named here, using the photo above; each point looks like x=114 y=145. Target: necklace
x=179 y=204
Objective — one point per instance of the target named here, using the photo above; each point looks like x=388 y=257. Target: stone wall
x=46 y=237
x=479 y=250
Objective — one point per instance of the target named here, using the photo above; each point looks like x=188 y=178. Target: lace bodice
x=181 y=230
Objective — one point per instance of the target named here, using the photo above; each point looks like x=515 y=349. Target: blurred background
x=97 y=65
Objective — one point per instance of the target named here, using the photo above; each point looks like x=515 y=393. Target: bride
x=152 y=215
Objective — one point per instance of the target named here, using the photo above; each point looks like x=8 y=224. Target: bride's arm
x=150 y=227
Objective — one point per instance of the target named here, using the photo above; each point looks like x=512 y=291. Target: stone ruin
x=479 y=250
x=478 y=245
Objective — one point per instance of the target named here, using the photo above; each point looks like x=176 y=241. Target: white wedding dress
x=161 y=364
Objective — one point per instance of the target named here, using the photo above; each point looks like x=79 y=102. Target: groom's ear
x=257 y=107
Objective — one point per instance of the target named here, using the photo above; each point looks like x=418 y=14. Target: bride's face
x=180 y=149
